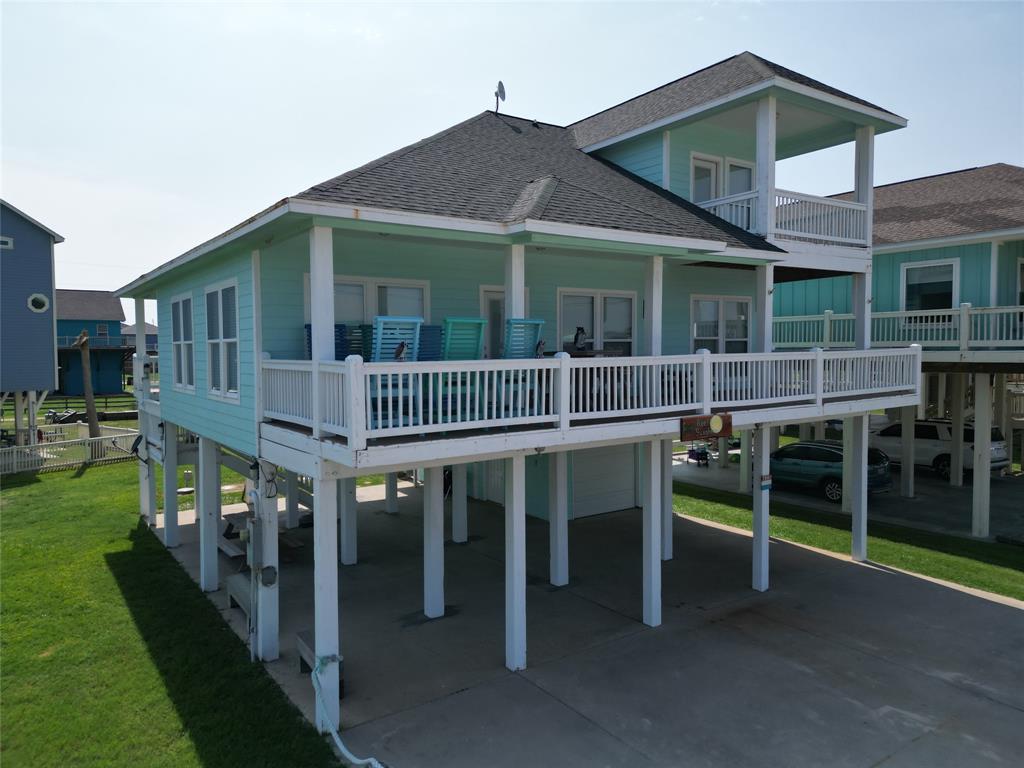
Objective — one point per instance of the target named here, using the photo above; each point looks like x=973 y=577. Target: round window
x=38 y=303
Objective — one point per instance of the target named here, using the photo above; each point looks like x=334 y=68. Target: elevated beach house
x=99 y=314
x=537 y=307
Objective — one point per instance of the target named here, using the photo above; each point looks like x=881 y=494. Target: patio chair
x=521 y=343
x=395 y=339
x=463 y=340
x=430 y=343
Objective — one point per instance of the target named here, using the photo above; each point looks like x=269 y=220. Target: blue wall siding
x=232 y=424
x=642 y=156
x=73 y=327
x=107 y=367
x=26 y=337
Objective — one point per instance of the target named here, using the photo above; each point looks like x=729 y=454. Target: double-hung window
x=605 y=317
x=358 y=300
x=721 y=323
x=930 y=285
x=182 y=350
x=222 y=340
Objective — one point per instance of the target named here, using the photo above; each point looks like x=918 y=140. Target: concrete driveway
x=839 y=664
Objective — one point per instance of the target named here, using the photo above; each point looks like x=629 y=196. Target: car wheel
x=832 y=490
x=941 y=465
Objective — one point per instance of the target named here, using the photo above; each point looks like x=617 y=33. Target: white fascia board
x=775 y=82
x=942 y=242
x=622 y=236
x=822 y=259
x=981 y=356
x=409 y=218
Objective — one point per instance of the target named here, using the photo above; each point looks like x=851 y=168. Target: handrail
x=817 y=199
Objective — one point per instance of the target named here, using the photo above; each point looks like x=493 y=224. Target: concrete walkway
x=839 y=664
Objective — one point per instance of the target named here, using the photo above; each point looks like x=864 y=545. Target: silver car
x=933 y=445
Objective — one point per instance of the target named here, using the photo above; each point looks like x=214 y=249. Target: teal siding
x=704 y=139
x=642 y=156
x=232 y=424
x=1009 y=287
x=680 y=283
x=812 y=297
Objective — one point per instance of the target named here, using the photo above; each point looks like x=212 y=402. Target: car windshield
x=997 y=435
x=876 y=457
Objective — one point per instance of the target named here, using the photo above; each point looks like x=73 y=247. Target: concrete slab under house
x=522 y=313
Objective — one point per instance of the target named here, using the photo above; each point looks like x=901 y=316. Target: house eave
x=964 y=239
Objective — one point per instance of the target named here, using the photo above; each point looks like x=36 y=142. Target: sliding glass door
x=721 y=324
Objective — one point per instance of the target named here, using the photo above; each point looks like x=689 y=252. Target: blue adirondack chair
x=522 y=336
x=395 y=339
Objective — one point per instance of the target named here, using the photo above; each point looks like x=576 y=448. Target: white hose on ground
x=346 y=755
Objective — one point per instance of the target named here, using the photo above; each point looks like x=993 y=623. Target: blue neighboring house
x=100 y=314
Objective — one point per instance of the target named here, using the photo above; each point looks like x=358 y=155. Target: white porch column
x=907 y=414
x=982 y=455
x=292 y=500
x=956 y=450
x=515 y=281
x=208 y=512
x=460 y=504
x=857 y=490
x=433 y=542
x=667 y=515
x=321 y=292
x=762 y=492
x=862 y=309
x=849 y=470
x=149 y=491
x=745 y=461
x=652 y=527
x=723 y=453
x=765 y=157
x=922 y=406
x=348 y=510
x=391 y=493
x=805 y=431
x=819 y=430
x=558 y=518
x=139 y=381
x=268 y=577
x=171 y=538
x=31 y=416
x=940 y=396
x=515 y=563
x=326 y=640
x=653 y=292
x=763 y=307
x=864 y=174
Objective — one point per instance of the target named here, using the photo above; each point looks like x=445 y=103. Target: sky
x=139 y=130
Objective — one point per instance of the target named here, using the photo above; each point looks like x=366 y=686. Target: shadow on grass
x=231 y=709
x=998 y=554
x=18 y=481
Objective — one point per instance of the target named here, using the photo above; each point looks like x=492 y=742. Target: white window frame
x=727 y=161
x=908 y=265
x=6 y=242
x=222 y=392
x=721 y=299
x=103 y=330
x=598 y=295
x=696 y=157
x=183 y=387
x=370 y=286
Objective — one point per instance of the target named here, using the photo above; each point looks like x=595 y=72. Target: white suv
x=933 y=442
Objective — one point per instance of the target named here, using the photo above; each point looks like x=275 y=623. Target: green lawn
x=111 y=655
x=993 y=567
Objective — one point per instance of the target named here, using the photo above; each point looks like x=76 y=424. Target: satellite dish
x=499 y=94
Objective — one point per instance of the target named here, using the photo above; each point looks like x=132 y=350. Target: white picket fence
x=67 y=454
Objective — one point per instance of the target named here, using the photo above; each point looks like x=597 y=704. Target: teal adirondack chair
x=394 y=339
x=463 y=338
x=521 y=337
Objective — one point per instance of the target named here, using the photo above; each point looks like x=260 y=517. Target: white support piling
x=907 y=458
x=667 y=515
x=150 y=491
x=291 y=500
x=652 y=526
x=558 y=518
x=348 y=510
x=956 y=464
x=848 y=467
x=723 y=452
x=268 y=577
x=762 y=491
x=515 y=563
x=391 y=493
x=433 y=542
x=745 y=461
x=170 y=447
x=856 y=457
x=981 y=491
x=208 y=512
x=326 y=639
x=460 y=505
x=804 y=431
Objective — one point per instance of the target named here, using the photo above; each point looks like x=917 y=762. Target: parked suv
x=933 y=444
x=818 y=464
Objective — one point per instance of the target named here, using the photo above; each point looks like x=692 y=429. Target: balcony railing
x=105 y=342
x=799 y=217
x=364 y=401
x=964 y=328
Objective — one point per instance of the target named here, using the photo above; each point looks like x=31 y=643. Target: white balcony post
x=326 y=639
x=864 y=175
x=348 y=511
x=292 y=500
x=667 y=514
x=723 y=452
x=208 y=512
x=818 y=381
x=922 y=404
x=819 y=430
x=765 y=279
x=849 y=468
x=391 y=493
x=433 y=542
x=563 y=401
x=268 y=576
x=765 y=157
x=652 y=527
x=826 y=329
x=805 y=431
x=762 y=492
x=745 y=461
x=460 y=504
x=965 y=326
x=653 y=292
x=355 y=388
x=981 y=491
x=515 y=281
x=705 y=393
x=940 y=396
x=515 y=563
x=140 y=382
x=907 y=414
x=862 y=309
x=171 y=537
x=956 y=461
x=558 y=518
x=321 y=308
x=857 y=490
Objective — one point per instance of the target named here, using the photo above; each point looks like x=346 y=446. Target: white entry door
x=603 y=480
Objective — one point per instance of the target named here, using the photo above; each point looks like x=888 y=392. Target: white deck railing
x=964 y=328
x=362 y=401
x=740 y=209
x=66 y=454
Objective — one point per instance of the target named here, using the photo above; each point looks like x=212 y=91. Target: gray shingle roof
x=88 y=305
x=953 y=204
x=499 y=168
x=704 y=85
x=128 y=329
